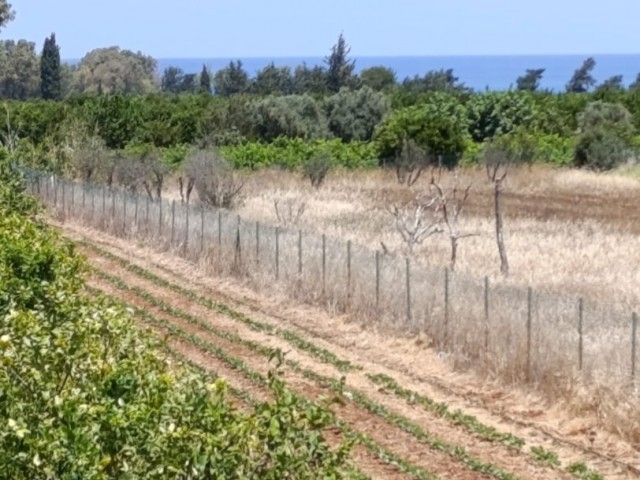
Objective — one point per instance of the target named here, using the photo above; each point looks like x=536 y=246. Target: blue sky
x=276 y=28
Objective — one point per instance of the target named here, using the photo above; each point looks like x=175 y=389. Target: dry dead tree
x=451 y=206
x=289 y=211
x=213 y=178
x=417 y=220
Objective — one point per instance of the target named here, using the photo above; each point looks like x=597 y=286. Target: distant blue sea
x=477 y=72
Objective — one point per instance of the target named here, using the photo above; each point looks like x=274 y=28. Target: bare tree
x=289 y=211
x=213 y=178
x=513 y=148
x=451 y=205
x=417 y=220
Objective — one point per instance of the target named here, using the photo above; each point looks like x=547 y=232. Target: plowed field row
x=406 y=434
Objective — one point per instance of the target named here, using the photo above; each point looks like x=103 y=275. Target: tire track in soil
x=360 y=456
x=501 y=456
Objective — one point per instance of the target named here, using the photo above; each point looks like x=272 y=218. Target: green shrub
x=292 y=153
x=84 y=394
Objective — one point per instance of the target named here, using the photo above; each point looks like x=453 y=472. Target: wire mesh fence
x=515 y=333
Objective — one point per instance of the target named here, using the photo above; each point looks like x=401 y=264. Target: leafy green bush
x=292 y=153
x=83 y=394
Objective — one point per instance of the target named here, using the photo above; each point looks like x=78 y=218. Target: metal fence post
x=529 y=321
x=201 y=229
x=277 y=253
x=378 y=263
x=446 y=305
x=113 y=210
x=160 y=218
x=64 y=210
x=219 y=238
x=349 y=273
x=93 y=207
x=135 y=215
x=186 y=232
x=324 y=265
x=580 y=332
x=73 y=198
x=124 y=213
x=238 y=249
x=300 y=254
x=173 y=221
x=486 y=315
x=634 y=335
x=408 y=287
x=257 y=244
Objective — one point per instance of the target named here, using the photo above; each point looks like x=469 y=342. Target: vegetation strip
x=259 y=379
x=457 y=453
x=292 y=338
x=458 y=418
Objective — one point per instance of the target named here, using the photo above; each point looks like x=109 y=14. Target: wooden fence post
x=104 y=208
x=238 y=249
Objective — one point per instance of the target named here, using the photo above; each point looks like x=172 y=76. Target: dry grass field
x=566 y=231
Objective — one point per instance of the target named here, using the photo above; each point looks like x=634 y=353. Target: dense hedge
x=251 y=128
x=84 y=395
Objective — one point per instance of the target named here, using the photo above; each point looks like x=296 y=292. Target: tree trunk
x=504 y=263
x=454 y=251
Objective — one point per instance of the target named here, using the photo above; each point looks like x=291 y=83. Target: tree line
x=114 y=95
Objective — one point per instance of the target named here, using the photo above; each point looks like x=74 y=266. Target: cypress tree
x=51 y=70
x=205 y=80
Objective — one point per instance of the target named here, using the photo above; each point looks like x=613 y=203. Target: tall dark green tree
x=50 y=69
x=530 y=81
x=378 y=78
x=205 y=80
x=231 y=80
x=312 y=80
x=582 y=79
x=6 y=13
x=339 y=67
x=434 y=81
x=272 y=80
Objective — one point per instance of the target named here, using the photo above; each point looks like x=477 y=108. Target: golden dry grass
x=568 y=231
x=569 y=234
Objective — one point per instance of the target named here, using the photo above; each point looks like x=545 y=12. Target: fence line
x=516 y=333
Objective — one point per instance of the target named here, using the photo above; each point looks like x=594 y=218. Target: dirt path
x=335 y=339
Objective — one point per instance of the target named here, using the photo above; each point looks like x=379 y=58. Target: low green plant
x=83 y=394
x=545 y=456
